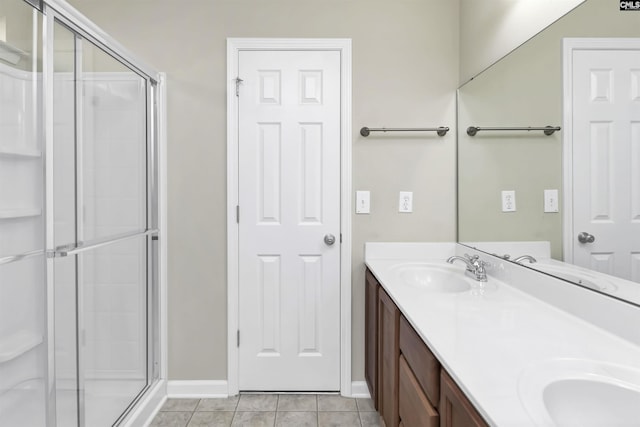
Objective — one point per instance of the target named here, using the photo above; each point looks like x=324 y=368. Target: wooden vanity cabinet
x=455 y=408
x=371 y=336
x=388 y=359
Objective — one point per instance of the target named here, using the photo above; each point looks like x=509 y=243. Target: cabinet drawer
x=423 y=363
x=415 y=409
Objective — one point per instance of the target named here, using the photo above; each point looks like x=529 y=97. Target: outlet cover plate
x=508 y=201
x=406 y=202
x=551 y=201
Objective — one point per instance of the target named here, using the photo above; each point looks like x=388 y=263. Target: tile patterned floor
x=273 y=410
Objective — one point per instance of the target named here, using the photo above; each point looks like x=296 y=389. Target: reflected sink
x=433 y=277
x=580 y=277
x=573 y=392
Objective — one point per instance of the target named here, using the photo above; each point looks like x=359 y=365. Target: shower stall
x=80 y=236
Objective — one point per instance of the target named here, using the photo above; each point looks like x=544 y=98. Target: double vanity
x=522 y=348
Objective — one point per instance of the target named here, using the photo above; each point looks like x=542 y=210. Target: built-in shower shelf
x=19 y=213
x=29 y=153
x=18 y=344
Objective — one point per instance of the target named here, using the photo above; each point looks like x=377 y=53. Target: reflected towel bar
x=548 y=130
x=442 y=131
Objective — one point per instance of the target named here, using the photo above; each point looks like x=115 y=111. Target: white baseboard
x=197 y=389
x=360 y=389
x=210 y=389
x=148 y=406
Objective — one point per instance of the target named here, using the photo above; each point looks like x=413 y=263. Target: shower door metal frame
x=37 y=112
x=156 y=371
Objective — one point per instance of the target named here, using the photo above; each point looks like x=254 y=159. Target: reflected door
x=606 y=160
x=100 y=232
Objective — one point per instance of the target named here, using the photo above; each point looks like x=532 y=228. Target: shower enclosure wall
x=79 y=223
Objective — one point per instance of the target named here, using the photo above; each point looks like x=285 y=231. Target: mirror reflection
x=570 y=199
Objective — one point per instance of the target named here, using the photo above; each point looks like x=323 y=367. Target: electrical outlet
x=508 y=201
x=363 y=202
x=551 y=201
x=406 y=202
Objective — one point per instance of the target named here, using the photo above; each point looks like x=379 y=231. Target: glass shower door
x=102 y=233
x=23 y=342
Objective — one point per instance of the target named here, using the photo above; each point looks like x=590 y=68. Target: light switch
x=551 y=201
x=508 y=201
x=363 y=202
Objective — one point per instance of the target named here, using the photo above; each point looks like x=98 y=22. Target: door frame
x=234 y=47
x=569 y=45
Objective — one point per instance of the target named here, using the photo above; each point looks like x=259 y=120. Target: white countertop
x=486 y=338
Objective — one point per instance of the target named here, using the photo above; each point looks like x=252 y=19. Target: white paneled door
x=289 y=213
x=606 y=160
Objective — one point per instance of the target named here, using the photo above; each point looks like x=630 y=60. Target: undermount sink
x=433 y=277
x=588 y=402
x=571 y=392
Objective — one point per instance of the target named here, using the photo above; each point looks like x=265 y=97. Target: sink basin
x=589 y=402
x=433 y=277
x=572 y=392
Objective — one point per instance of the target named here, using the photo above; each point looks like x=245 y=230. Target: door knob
x=329 y=239
x=585 y=237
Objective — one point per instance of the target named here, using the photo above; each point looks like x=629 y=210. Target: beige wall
x=405 y=72
x=490 y=29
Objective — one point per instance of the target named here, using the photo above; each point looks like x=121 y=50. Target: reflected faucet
x=524 y=258
x=475 y=266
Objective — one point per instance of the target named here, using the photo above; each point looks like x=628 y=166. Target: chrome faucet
x=475 y=266
x=524 y=258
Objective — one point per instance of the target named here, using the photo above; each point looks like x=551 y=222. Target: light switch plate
x=508 y=201
x=363 y=202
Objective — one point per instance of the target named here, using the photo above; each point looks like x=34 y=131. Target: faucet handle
x=472 y=258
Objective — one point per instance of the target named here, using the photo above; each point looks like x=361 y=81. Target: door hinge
x=341 y=238
x=238 y=337
x=238 y=214
x=238 y=81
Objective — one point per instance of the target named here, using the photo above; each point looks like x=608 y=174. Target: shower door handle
x=329 y=239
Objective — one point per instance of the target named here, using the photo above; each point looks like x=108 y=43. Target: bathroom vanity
x=405 y=379
x=443 y=349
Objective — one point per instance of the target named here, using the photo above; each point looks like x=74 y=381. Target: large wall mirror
x=581 y=75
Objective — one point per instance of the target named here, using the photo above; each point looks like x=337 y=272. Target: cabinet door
x=414 y=407
x=371 y=335
x=388 y=358
x=455 y=408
